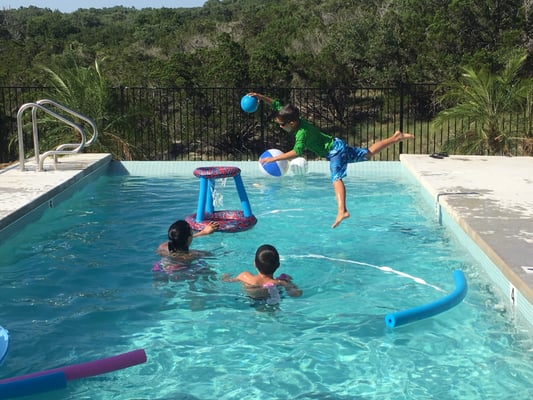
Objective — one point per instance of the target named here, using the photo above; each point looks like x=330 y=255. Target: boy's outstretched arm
x=289 y=155
x=261 y=97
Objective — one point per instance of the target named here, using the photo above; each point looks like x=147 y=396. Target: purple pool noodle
x=92 y=368
x=104 y=365
x=428 y=310
x=33 y=385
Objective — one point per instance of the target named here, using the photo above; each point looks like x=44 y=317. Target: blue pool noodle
x=429 y=310
x=33 y=385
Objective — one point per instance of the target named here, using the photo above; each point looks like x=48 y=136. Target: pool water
x=76 y=286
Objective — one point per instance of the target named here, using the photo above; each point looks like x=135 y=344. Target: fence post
x=401 y=113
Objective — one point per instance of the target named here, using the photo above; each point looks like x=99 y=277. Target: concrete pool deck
x=490 y=199
x=22 y=192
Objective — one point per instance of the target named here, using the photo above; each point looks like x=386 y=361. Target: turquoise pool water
x=76 y=286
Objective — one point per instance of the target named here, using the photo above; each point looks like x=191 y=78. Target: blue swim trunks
x=341 y=155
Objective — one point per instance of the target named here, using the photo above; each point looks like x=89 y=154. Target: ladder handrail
x=35 y=106
x=76 y=114
x=74 y=147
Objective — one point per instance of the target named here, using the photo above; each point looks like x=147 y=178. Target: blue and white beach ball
x=278 y=168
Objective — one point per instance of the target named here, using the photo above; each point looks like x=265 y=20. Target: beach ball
x=298 y=166
x=249 y=104
x=278 y=168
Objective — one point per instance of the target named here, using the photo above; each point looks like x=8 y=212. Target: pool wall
x=250 y=169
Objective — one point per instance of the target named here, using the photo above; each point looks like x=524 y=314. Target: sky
x=67 y=6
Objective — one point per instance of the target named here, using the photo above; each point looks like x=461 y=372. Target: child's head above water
x=267 y=259
x=179 y=236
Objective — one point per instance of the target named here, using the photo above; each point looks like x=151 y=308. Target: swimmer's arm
x=196 y=254
x=295 y=292
x=244 y=277
x=291 y=289
x=209 y=228
x=162 y=250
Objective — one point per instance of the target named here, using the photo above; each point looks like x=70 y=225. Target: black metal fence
x=208 y=123
x=192 y=123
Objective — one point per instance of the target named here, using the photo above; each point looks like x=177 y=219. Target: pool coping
x=490 y=199
x=25 y=194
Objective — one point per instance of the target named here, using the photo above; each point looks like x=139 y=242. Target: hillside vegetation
x=262 y=43
x=165 y=83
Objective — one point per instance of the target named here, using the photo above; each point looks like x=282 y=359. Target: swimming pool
x=78 y=287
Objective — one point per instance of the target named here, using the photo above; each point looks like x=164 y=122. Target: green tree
x=225 y=64
x=483 y=101
x=86 y=91
x=275 y=42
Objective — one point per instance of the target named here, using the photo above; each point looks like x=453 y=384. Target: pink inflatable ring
x=228 y=221
x=216 y=172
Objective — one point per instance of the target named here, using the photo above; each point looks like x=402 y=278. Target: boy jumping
x=339 y=154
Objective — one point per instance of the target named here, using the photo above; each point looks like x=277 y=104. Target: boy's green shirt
x=308 y=136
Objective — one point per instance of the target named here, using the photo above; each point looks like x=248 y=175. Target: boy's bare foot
x=340 y=218
x=399 y=136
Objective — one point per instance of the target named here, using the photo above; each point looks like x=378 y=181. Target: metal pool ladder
x=61 y=113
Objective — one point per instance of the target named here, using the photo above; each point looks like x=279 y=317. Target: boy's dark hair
x=267 y=259
x=289 y=113
x=178 y=236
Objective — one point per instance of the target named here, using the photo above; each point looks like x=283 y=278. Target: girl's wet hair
x=267 y=259
x=178 y=236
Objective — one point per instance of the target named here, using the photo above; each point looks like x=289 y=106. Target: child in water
x=260 y=286
x=175 y=254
